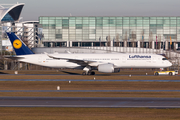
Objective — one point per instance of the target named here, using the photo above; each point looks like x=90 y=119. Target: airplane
x=106 y=62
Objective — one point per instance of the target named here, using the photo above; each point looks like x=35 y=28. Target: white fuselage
x=119 y=60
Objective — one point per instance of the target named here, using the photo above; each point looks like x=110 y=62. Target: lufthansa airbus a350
x=107 y=63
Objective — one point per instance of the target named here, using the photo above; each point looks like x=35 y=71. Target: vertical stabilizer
x=18 y=45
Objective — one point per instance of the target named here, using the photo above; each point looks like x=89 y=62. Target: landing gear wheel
x=89 y=73
x=156 y=73
x=92 y=73
x=170 y=73
x=84 y=73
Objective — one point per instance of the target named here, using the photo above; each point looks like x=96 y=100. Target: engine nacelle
x=107 y=68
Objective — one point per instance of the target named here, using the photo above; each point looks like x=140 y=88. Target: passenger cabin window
x=164 y=59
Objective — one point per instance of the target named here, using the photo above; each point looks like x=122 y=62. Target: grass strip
x=92 y=94
x=88 y=114
x=87 y=85
x=77 y=77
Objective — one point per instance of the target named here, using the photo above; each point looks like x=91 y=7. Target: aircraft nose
x=169 y=64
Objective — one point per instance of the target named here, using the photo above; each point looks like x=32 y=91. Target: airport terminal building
x=146 y=32
x=74 y=34
x=11 y=21
x=9 y=13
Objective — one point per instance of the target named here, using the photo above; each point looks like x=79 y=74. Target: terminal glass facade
x=7 y=18
x=110 y=28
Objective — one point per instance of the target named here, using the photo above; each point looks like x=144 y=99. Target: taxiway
x=89 y=102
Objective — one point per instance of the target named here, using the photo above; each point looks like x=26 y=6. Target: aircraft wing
x=77 y=61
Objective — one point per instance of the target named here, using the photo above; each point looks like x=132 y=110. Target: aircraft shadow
x=71 y=73
x=103 y=75
x=3 y=73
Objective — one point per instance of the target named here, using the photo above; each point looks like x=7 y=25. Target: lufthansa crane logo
x=17 y=44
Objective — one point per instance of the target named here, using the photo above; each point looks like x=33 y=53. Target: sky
x=33 y=9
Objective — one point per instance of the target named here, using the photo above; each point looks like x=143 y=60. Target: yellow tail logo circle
x=17 y=44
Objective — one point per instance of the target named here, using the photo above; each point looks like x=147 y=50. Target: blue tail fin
x=18 y=45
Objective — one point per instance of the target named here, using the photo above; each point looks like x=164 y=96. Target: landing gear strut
x=88 y=71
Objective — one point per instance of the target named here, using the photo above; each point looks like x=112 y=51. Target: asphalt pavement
x=89 y=102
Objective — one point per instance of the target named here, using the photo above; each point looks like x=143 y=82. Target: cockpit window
x=164 y=59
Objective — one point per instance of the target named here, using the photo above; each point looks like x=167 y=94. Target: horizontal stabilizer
x=13 y=57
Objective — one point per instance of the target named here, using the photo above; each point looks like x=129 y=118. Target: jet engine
x=107 y=68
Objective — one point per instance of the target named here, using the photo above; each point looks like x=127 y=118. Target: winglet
x=49 y=55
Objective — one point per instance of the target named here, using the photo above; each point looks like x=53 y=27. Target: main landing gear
x=88 y=73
